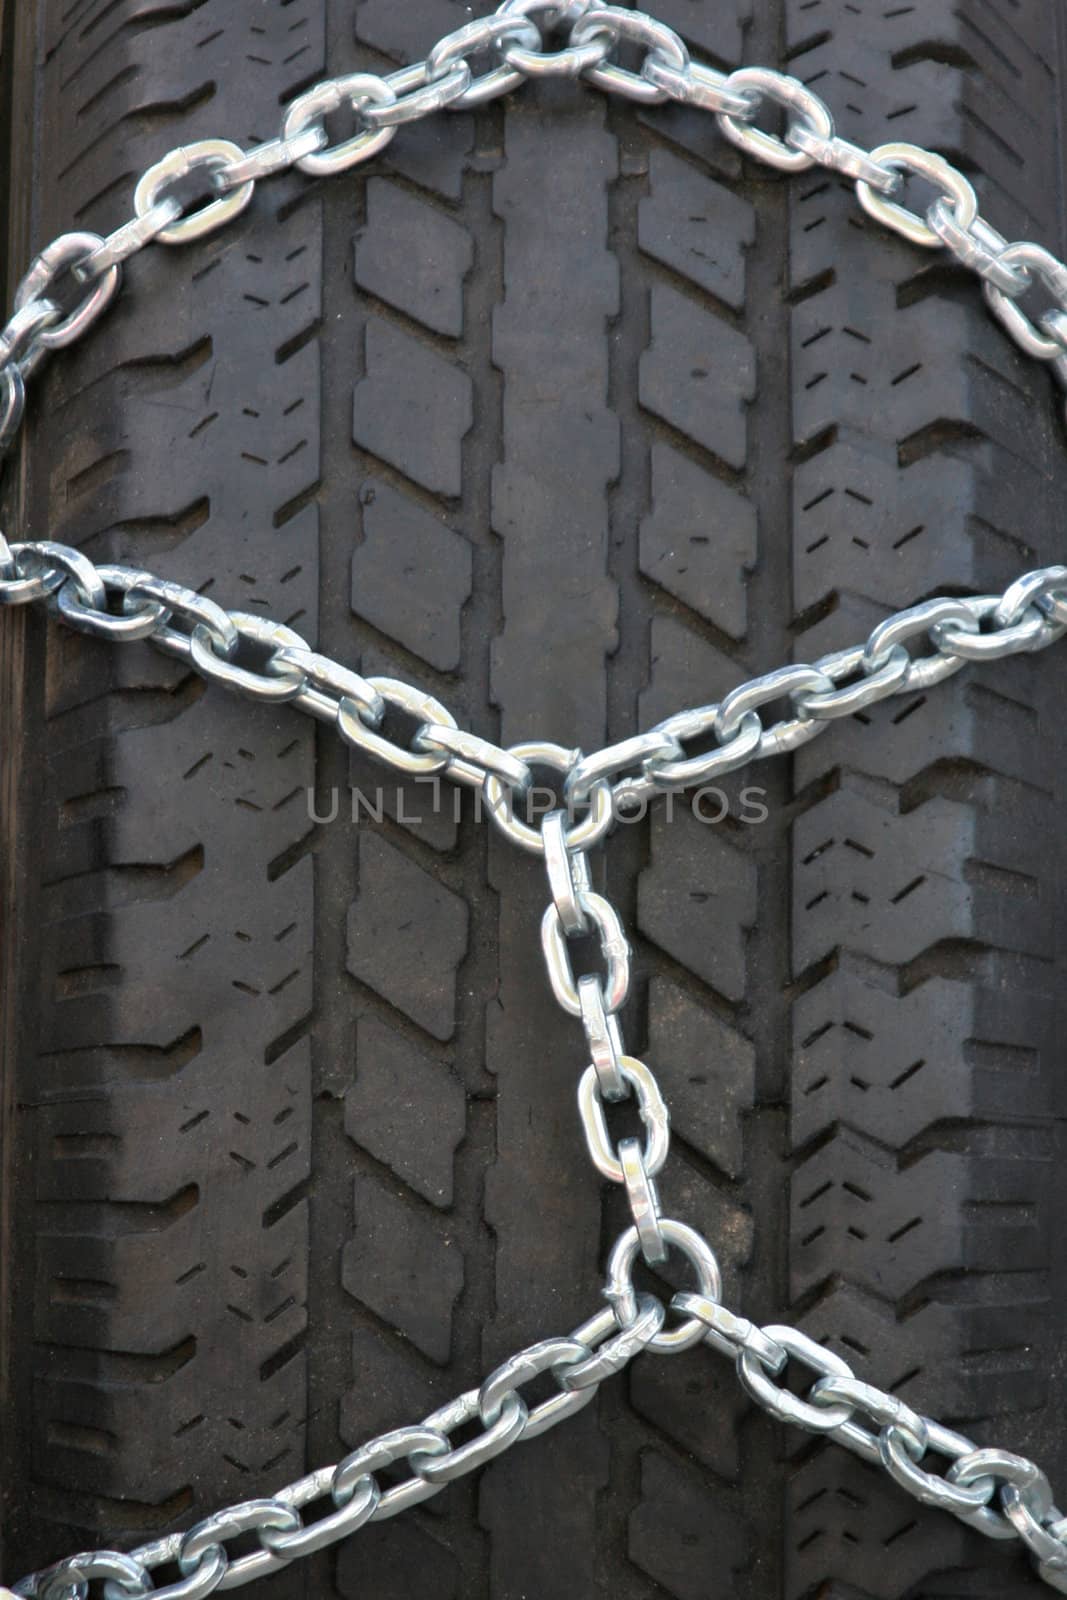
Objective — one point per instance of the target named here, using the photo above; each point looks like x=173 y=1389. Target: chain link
x=346 y=1497
x=514 y=41
x=1004 y=1496
x=194 y=190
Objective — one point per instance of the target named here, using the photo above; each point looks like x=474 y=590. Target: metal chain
x=907 y=652
x=576 y=911
x=68 y=287
x=344 y=1497
x=1003 y=1495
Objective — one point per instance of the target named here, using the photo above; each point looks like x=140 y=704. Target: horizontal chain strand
x=122 y=603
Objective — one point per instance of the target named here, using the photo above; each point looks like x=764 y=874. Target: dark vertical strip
x=550 y=510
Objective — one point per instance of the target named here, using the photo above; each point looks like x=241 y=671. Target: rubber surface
x=566 y=414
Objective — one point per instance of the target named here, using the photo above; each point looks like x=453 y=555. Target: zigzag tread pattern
x=924 y=1100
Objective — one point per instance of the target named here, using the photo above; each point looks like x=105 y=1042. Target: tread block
x=390 y=1390
x=680 y=915
x=413 y=409
x=406 y=1110
x=392 y=1564
x=411 y=575
x=684 y=669
x=698 y=374
x=397 y=896
x=707 y=1070
x=678 y=1514
x=893 y=1065
x=697 y=227
x=876 y=1537
x=414 y=257
x=699 y=532
x=404 y=1266
x=855 y=1213
x=549 y=344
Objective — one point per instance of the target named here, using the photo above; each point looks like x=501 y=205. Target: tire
x=567 y=414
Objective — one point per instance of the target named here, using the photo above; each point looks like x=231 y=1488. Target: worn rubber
x=565 y=413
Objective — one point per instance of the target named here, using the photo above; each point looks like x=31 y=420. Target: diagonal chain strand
x=68 y=287
x=908 y=652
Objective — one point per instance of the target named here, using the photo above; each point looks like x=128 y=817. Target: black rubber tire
x=567 y=414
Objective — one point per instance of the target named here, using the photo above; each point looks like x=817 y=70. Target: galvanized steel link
x=614 y=947
x=596 y=1350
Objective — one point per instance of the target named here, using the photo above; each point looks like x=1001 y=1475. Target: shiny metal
x=613 y=947
x=1025 y=1496
x=650 y=1108
x=1054 y=1573
x=211 y=1533
x=728 y=1333
x=805 y=111
x=266 y=161
x=127 y=240
x=619 y=1350
x=569 y=62
x=618 y=24
x=276 y=685
x=418 y=95
x=309 y=110
x=568 y=875
x=1046 y=590
x=781 y=1402
x=980 y=248
x=758 y=692
x=73 y=1576
x=603 y=1036
x=472 y=759
x=698 y=86
x=499 y=800
x=685 y=725
x=619 y=1290
x=1033 y=631
x=26 y=586
x=596 y=1350
x=139 y=623
x=22 y=332
x=209 y=156
x=326 y=684
x=839 y=155
x=640 y=748
x=57 y=258
x=182 y=605
x=461 y=1459
x=886 y=1410
x=474 y=38
x=872 y=686
x=916 y=622
x=44 y=559
x=956 y=192
x=12 y=406
x=929 y=1488
x=548 y=1355
x=1039 y=263
x=353 y=728
x=642 y=1197
x=341 y=1523
x=399 y=1445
